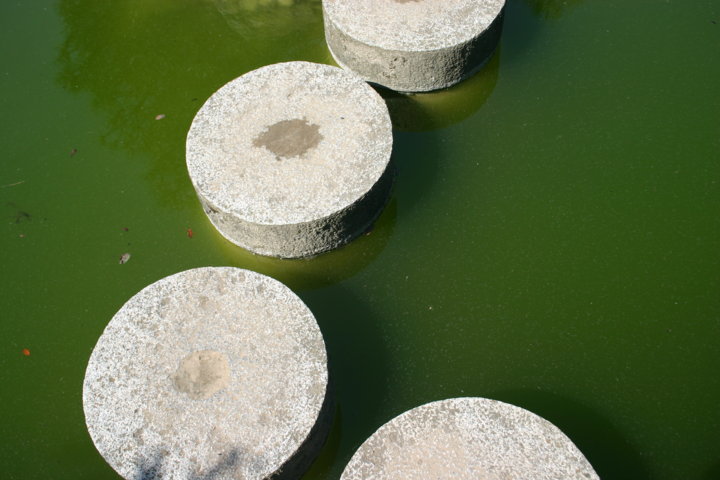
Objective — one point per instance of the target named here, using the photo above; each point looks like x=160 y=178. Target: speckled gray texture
x=148 y=424
x=300 y=204
x=413 y=45
x=468 y=439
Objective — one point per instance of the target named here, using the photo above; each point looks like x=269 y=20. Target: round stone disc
x=292 y=159
x=468 y=439
x=413 y=45
x=210 y=373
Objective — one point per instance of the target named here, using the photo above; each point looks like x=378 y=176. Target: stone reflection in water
x=237 y=6
x=552 y=8
x=325 y=269
x=430 y=111
x=236 y=12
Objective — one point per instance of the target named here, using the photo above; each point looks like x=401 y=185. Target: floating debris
x=73 y=152
x=160 y=116
x=26 y=352
x=22 y=235
x=13 y=184
x=126 y=229
x=124 y=258
x=19 y=215
x=189 y=233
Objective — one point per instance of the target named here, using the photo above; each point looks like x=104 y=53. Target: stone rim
x=255 y=204
x=131 y=443
x=468 y=438
x=379 y=23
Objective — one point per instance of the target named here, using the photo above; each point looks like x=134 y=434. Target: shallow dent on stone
x=289 y=138
x=202 y=374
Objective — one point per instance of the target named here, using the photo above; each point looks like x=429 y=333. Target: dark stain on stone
x=289 y=138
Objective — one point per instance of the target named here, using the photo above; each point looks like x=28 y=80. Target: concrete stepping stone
x=212 y=373
x=413 y=45
x=292 y=159
x=468 y=439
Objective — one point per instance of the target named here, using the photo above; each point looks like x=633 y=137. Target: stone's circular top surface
x=289 y=143
x=210 y=370
x=468 y=439
x=412 y=25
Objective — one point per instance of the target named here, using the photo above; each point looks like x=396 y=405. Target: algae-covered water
x=553 y=239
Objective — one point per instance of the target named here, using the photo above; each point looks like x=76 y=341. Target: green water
x=553 y=239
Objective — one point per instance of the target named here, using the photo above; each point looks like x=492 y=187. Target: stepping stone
x=212 y=373
x=468 y=439
x=292 y=159
x=413 y=45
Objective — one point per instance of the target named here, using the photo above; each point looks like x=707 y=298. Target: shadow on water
x=417 y=157
x=605 y=447
x=358 y=364
x=524 y=19
x=323 y=465
x=551 y=9
x=165 y=58
x=713 y=473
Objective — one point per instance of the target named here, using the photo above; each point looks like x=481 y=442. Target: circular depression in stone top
x=214 y=372
x=412 y=25
x=289 y=143
x=468 y=439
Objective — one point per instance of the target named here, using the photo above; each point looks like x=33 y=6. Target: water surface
x=553 y=239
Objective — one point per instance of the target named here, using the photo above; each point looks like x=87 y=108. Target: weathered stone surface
x=292 y=159
x=413 y=45
x=468 y=439
x=214 y=373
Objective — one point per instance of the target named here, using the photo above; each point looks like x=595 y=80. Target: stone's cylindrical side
x=297 y=240
x=413 y=46
x=210 y=373
x=468 y=439
x=292 y=159
x=422 y=71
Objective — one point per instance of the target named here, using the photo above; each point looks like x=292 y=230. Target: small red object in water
x=125 y=229
x=26 y=352
x=189 y=232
